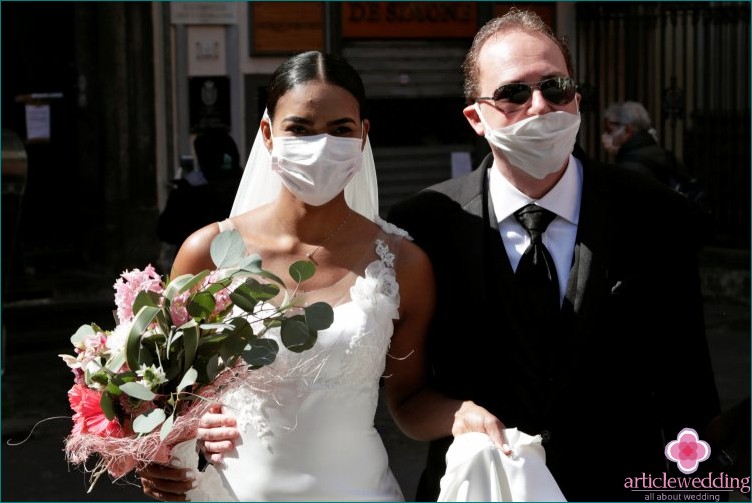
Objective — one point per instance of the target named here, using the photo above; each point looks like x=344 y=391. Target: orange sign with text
x=409 y=19
x=286 y=27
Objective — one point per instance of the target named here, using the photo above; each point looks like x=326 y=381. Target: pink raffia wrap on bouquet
x=119 y=455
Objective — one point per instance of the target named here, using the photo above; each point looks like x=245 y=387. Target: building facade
x=126 y=85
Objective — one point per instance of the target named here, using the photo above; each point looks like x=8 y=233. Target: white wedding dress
x=307 y=434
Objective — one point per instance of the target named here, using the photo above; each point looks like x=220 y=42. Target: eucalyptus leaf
x=302 y=270
x=82 y=332
x=295 y=334
x=248 y=294
x=243 y=298
x=105 y=402
x=269 y=275
x=260 y=291
x=201 y=305
x=319 y=316
x=137 y=390
x=146 y=422
x=261 y=352
x=251 y=263
x=227 y=249
x=232 y=346
x=166 y=427
x=242 y=329
x=188 y=379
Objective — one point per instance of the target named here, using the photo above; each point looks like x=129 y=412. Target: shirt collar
x=563 y=199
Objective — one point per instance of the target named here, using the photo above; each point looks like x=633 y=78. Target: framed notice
x=409 y=20
x=283 y=28
x=209 y=102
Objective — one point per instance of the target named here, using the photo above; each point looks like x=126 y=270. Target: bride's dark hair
x=315 y=65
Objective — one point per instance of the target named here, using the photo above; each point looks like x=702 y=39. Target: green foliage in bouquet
x=183 y=333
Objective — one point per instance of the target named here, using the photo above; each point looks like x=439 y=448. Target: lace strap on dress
x=377 y=290
x=226 y=225
x=386 y=256
x=390 y=228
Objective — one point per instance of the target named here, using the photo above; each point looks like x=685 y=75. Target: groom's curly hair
x=514 y=20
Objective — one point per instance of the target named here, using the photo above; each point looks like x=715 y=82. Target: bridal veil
x=260 y=185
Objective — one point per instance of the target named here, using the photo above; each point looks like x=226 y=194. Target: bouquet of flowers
x=140 y=388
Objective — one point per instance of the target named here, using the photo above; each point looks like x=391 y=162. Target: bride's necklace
x=310 y=254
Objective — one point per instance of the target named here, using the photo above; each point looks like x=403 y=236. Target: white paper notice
x=461 y=163
x=37 y=122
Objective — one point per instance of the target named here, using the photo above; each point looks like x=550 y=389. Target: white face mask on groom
x=538 y=145
x=316 y=168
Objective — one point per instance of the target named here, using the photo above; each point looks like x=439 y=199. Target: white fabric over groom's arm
x=478 y=471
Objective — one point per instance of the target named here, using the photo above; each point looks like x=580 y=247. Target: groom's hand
x=166 y=483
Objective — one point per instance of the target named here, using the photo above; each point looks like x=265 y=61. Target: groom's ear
x=471 y=114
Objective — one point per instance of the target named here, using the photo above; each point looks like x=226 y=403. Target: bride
x=310 y=435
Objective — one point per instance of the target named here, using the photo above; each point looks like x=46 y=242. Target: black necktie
x=536 y=273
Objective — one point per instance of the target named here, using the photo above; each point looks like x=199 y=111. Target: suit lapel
x=591 y=244
x=588 y=276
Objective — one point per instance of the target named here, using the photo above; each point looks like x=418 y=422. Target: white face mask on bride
x=316 y=168
x=538 y=145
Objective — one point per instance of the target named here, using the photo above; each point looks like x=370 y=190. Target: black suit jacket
x=629 y=367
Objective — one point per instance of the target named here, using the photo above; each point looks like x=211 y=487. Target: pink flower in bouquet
x=222 y=297
x=130 y=284
x=89 y=417
x=123 y=373
x=178 y=311
x=93 y=346
x=78 y=376
x=89 y=349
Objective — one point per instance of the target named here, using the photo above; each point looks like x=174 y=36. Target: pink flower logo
x=688 y=451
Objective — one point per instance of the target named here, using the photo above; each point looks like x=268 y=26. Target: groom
x=619 y=364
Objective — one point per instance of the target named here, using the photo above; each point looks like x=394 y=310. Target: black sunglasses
x=556 y=90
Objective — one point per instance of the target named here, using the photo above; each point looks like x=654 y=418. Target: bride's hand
x=473 y=417
x=216 y=431
x=166 y=483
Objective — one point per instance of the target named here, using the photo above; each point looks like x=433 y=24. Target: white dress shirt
x=563 y=200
